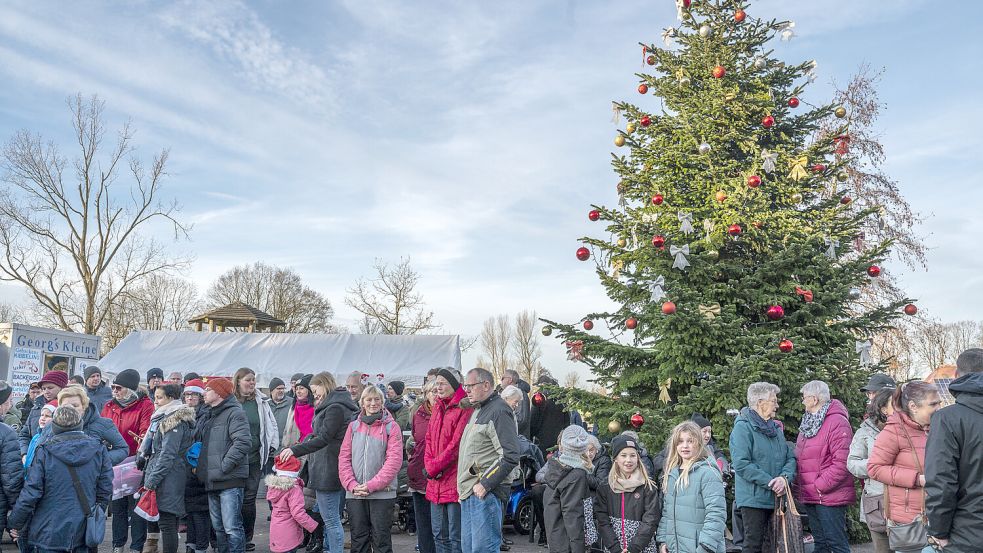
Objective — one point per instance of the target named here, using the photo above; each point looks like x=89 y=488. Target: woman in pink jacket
x=369 y=463
x=440 y=460
x=898 y=458
x=824 y=485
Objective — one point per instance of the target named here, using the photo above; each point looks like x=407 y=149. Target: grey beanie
x=573 y=440
x=65 y=419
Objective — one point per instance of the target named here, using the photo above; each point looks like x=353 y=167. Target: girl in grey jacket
x=872 y=501
x=695 y=508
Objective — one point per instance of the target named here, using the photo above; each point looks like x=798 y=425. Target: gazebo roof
x=238 y=314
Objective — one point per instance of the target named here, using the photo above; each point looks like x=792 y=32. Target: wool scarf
x=626 y=485
x=812 y=422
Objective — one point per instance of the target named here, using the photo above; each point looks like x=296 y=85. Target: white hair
x=761 y=391
x=816 y=388
x=511 y=392
x=592 y=441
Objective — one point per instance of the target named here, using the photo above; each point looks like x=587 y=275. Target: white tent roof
x=406 y=358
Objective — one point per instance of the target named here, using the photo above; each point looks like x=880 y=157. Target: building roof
x=238 y=314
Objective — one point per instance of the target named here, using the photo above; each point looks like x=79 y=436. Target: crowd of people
x=206 y=447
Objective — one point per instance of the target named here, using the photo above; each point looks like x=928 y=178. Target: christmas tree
x=733 y=251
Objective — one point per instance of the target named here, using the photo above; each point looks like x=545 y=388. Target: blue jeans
x=828 y=526
x=445 y=519
x=225 y=508
x=334 y=533
x=481 y=524
x=124 y=521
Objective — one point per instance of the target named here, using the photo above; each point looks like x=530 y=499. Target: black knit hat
x=128 y=378
x=191 y=376
x=306 y=383
x=297 y=377
x=155 y=373
x=5 y=391
x=91 y=370
x=397 y=386
x=450 y=377
x=621 y=442
x=275 y=382
x=700 y=420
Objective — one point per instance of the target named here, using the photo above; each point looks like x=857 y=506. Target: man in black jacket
x=223 y=464
x=11 y=474
x=954 y=461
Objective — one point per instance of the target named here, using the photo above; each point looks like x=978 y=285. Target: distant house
x=942 y=376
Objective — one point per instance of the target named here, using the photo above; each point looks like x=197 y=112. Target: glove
x=141 y=462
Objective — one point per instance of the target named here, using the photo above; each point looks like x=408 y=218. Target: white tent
x=406 y=358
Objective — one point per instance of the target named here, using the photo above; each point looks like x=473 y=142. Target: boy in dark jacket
x=566 y=479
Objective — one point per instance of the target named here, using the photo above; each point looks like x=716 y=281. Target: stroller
x=519 y=511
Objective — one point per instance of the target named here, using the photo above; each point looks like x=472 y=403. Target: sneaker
x=118 y=549
x=250 y=546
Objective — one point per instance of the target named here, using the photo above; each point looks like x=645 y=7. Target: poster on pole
x=82 y=364
x=25 y=368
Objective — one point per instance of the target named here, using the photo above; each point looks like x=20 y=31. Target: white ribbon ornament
x=685 y=222
x=768 y=160
x=831 y=246
x=708 y=227
x=680 y=252
x=863 y=348
x=650 y=217
x=656 y=287
x=787 y=32
x=668 y=35
x=615 y=113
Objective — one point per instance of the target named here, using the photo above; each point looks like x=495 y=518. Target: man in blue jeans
x=489 y=451
x=223 y=464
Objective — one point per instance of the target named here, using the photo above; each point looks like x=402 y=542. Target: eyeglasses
x=115 y=387
x=471 y=386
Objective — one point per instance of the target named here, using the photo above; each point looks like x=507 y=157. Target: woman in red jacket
x=898 y=458
x=447 y=423
x=824 y=485
x=415 y=470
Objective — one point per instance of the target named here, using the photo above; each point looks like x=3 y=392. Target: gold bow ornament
x=798 y=171
x=710 y=311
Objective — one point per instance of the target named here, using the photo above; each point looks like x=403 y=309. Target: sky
x=470 y=136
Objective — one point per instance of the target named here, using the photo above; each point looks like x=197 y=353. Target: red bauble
x=874 y=271
x=583 y=253
x=734 y=230
x=643 y=88
x=785 y=346
x=658 y=241
x=775 y=312
x=686 y=3
x=740 y=16
x=793 y=102
x=910 y=309
x=650 y=60
x=645 y=120
x=754 y=181
x=631 y=323
x=538 y=398
x=668 y=308
x=768 y=121
x=818 y=168
x=845 y=200
x=637 y=420
x=593 y=215
x=588 y=325
x=719 y=72
x=657 y=199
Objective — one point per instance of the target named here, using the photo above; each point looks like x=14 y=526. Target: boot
x=150 y=546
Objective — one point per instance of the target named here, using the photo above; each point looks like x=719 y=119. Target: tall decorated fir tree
x=732 y=252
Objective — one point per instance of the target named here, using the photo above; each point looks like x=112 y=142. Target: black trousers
x=756 y=524
x=168 y=532
x=199 y=530
x=371 y=525
x=249 y=500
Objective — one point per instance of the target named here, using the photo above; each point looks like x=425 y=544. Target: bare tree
x=159 y=303
x=70 y=231
x=496 y=337
x=526 y=347
x=571 y=380
x=935 y=343
x=10 y=313
x=390 y=303
x=278 y=291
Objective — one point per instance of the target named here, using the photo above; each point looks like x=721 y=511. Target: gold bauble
x=840 y=112
x=619 y=141
x=684 y=81
x=796 y=198
x=713 y=255
x=630 y=128
x=547 y=330
x=622 y=242
x=587 y=416
x=842 y=176
x=614 y=427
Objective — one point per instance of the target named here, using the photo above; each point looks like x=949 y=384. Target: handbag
x=95 y=519
x=913 y=535
x=786 y=526
x=872 y=507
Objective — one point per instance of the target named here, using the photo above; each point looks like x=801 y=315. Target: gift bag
x=126 y=478
x=786 y=526
x=147 y=505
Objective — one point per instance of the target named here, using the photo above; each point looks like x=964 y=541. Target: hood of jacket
x=90 y=415
x=555 y=472
x=73 y=448
x=281 y=484
x=455 y=399
x=184 y=414
x=524 y=386
x=337 y=397
x=968 y=391
x=227 y=403
x=386 y=417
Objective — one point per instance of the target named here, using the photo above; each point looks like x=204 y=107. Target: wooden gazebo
x=237 y=315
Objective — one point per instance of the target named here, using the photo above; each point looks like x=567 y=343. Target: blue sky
x=469 y=136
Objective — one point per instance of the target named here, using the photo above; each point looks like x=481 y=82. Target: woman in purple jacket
x=824 y=485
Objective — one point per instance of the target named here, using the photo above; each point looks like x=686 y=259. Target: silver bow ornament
x=831 y=246
x=768 y=160
x=685 y=223
x=708 y=227
x=668 y=35
x=680 y=253
x=787 y=32
x=863 y=348
x=657 y=287
x=680 y=6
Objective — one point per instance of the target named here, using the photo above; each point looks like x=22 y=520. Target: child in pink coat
x=288 y=518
